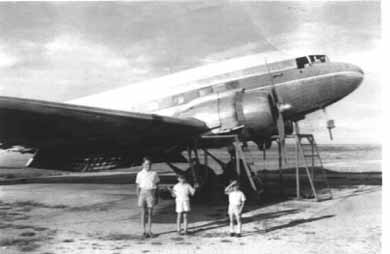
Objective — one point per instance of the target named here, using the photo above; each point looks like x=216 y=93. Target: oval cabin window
x=205 y=91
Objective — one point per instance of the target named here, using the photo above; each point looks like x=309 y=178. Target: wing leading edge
x=60 y=130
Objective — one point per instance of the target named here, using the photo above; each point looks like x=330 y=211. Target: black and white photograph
x=191 y=127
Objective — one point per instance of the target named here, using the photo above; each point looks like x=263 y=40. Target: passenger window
x=232 y=85
x=178 y=99
x=189 y=96
x=166 y=102
x=205 y=91
x=219 y=88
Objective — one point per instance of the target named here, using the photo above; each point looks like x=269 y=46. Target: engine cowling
x=258 y=115
x=250 y=113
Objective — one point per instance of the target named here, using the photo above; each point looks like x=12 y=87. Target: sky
x=60 y=51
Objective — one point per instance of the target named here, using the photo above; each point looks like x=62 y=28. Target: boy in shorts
x=236 y=204
x=182 y=192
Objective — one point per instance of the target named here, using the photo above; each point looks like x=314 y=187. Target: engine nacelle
x=250 y=113
x=259 y=114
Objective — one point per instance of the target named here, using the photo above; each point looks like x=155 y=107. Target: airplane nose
x=353 y=76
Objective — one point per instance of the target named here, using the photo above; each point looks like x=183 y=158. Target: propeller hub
x=284 y=106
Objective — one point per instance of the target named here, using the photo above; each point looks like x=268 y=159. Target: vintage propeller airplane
x=253 y=99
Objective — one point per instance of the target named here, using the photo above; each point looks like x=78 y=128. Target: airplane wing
x=66 y=134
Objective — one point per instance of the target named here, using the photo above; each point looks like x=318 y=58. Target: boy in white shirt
x=236 y=204
x=182 y=192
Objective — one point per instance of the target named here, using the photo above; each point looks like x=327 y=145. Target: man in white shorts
x=147 y=182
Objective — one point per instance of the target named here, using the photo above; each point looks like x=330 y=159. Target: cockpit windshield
x=303 y=62
x=318 y=58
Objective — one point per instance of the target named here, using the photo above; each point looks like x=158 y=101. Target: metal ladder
x=309 y=154
x=248 y=161
x=241 y=155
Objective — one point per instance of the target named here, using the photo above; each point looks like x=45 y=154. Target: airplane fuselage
x=242 y=97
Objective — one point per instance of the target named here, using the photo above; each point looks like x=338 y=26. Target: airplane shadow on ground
x=334 y=178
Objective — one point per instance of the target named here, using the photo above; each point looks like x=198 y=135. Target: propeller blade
x=282 y=135
x=278 y=103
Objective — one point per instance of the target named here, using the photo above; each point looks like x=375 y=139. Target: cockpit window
x=318 y=58
x=302 y=62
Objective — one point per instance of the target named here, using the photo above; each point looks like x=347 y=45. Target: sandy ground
x=103 y=218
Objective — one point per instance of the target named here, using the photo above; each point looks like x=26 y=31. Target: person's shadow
x=225 y=221
x=219 y=219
